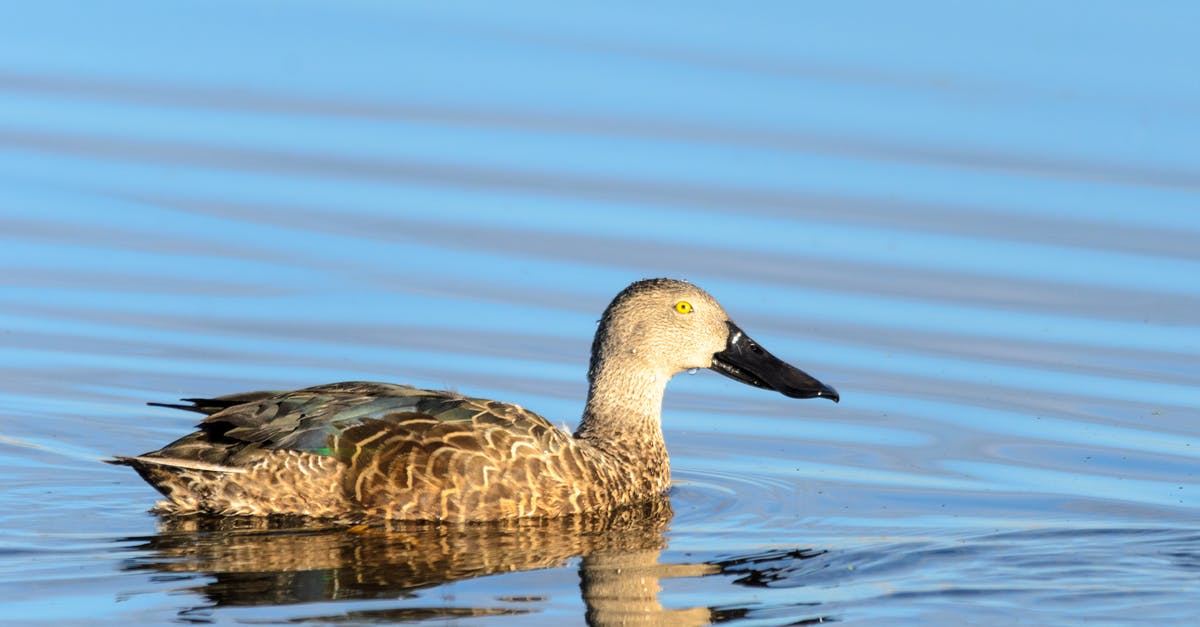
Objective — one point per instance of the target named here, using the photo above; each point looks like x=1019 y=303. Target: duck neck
x=623 y=417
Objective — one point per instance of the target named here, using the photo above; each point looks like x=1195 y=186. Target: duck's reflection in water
x=279 y=562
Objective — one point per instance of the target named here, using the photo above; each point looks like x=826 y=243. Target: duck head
x=670 y=326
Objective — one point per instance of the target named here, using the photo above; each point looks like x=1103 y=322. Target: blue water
x=980 y=223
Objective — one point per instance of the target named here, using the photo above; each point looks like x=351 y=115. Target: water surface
x=979 y=224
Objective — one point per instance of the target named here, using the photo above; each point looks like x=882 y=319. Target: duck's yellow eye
x=683 y=307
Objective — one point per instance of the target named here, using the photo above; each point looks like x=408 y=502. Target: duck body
x=360 y=449
x=389 y=451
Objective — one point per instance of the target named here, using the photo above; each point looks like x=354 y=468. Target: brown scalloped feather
x=385 y=451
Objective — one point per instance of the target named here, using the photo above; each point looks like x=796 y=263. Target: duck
x=365 y=450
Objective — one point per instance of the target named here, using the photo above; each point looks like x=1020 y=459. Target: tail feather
x=193 y=407
x=142 y=461
x=210 y=406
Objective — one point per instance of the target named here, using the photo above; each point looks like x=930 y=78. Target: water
x=979 y=224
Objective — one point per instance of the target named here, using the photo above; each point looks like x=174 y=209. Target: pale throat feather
x=624 y=406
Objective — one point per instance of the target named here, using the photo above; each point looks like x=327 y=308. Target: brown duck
x=397 y=452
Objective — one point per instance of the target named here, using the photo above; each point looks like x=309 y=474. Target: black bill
x=744 y=360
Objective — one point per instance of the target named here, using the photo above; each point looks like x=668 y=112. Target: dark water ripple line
x=931 y=396
x=396 y=170
x=966 y=462
x=793 y=269
x=1116 y=362
x=55 y=232
x=191 y=331
x=537 y=347
x=189 y=338
x=193 y=339
x=1063 y=357
x=457 y=235
x=1113 y=485
x=799 y=207
x=1094 y=302
x=874 y=149
x=145 y=283
x=1126 y=424
x=1056 y=383
x=196 y=340
x=1024 y=419
x=714 y=57
x=1085 y=561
